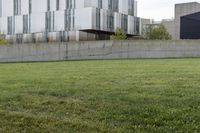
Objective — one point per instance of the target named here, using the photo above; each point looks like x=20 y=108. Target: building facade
x=190 y=26
x=183 y=9
x=54 y=20
x=170 y=27
x=176 y=26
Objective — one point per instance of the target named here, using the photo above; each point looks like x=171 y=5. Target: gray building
x=170 y=26
x=173 y=25
x=54 y=20
x=144 y=26
x=182 y=10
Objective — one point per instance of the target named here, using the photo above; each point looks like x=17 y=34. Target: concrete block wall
x=130 y=49
x=32 y=52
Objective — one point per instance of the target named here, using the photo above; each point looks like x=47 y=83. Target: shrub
x=119 y=35
x=3 y=41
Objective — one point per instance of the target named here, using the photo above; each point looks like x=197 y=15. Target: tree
x=119 y=35
x=3 y=41
x=158 y=33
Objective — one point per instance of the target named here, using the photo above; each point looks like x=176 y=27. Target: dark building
x=190 y=26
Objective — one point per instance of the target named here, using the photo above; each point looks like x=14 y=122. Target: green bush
x=3 y=42
x=119 y=35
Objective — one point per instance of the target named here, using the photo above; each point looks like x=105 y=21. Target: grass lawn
x=114 y=96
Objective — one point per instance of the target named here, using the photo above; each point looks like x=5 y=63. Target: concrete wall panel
x=99 y=50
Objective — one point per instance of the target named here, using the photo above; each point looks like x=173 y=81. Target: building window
x=73 y=19
x=137 y=25
x=9 y=26
x=48 y=5
x=67 y=4
x=98 y=16
x=30 y=6
x=99 y=3
x=25 y=24
x=110 y=4
x=113 y=5
x=131 y=7
x=17 y=7
x=116 y=5
x=48 y=22
x=57 y=4
x=29 y=24
x=124 y=22
x=67 y=19
x=70 y=4
x=110 y=21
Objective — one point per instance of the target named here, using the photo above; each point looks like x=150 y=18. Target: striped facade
x=53 y=20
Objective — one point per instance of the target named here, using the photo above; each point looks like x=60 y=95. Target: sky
x=158 y=9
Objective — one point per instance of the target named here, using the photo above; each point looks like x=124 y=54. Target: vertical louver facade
x=50 y=20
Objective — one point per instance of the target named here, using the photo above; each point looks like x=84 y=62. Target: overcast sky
x=158 y=9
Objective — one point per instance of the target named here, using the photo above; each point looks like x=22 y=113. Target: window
x=67 y=19
x=17 y=7
x=48 y=5
x=124 y=22
x=99 y=3
x=9 y=26
x=48 y=21
x=73 y=19
x=98 y=21
x=110 y=21
x=70 y=4
x=131 y=7
x=53 y=21
x=30 y=6
x=113 y=5
x=57 y=4
x=116 y=5
x=25 y=24
x=74 y=4
x=110 y=4
x=67 y=4
x=29 y=24
x=50 y=18
x=137 y=25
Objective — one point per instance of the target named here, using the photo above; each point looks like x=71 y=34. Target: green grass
x=156 y=95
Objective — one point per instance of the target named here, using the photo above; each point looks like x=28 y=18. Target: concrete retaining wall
x=99 y=50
